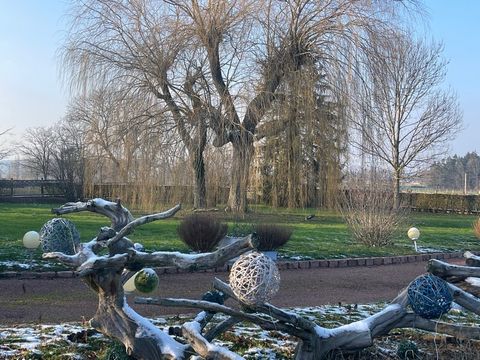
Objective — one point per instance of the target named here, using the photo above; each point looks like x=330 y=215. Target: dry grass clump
x=201 y=232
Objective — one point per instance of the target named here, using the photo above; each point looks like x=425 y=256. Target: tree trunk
x=116 y=319
x=199 y=187
x=241 y=159
x=293 y=159
x=396 y=189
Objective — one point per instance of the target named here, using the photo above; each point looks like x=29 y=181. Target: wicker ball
x=59 y=235
x=429 y=296
x=254 y=278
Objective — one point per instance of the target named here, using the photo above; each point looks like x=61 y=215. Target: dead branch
x=191 y=331
x=197 y=261
x=128 y=228
x=444 y=270
x=471 y=259
x=119 y=215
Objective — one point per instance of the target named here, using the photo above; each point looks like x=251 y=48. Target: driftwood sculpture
x=105 y=274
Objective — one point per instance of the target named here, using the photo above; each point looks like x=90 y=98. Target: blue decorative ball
x=429 y=296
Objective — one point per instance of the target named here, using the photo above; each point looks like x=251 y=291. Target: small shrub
x=367 y=208
x=201 y=233
x=271 y=237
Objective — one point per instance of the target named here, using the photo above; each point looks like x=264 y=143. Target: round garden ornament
x=429 y=296
x=254 y=278
x=146 y=280
x=31 y=240
x=129 y=285
x=413 y=233
x=59 y=235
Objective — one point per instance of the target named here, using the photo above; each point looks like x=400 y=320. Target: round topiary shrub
x=201 y=233
x=271 y=237
x=60 y=235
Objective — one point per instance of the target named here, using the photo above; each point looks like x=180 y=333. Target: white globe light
x=31 y=240
x=413 y=233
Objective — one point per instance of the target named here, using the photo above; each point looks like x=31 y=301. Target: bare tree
x=37 y=149
x=404 y=116
x=4 y=151
x=68 y=165
x=215 y=65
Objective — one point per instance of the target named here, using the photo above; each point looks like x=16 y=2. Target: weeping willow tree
x=301 y=158
x=216 y=66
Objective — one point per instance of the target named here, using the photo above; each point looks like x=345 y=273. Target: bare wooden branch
x=458 y=331
x=463 y=298
x=119 y=215
x=221 y=327
x=444 y=270
x=213 y=307
x=471 y=259
x=191 y=331
x=128 y=228
x=197 y=261
x=269 y=309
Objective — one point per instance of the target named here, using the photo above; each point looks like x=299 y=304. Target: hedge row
x=441 y=202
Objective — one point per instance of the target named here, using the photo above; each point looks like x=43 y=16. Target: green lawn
x=326 y=236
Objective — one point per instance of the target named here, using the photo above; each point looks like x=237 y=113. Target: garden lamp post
x=413 y=233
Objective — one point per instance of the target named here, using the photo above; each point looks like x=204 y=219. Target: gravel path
x=59 y=300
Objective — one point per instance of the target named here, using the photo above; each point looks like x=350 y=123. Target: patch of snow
x=474 y=281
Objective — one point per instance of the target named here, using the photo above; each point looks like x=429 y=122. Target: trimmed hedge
x=441 y=202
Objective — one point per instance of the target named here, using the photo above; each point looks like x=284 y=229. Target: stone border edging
x=282 y=265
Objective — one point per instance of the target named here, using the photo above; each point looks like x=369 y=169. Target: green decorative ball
x=146 y=280
x=59 y=235
x=407 y=350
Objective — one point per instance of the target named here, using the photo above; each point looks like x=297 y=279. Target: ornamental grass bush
x=201 y=232
x=368 y=210
x=271 y=236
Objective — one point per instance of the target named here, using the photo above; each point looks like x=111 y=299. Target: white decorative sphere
x=413 y=233
x=129 y=285
x=31 y=239
x=254 y=278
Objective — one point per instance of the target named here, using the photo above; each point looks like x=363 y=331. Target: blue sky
x=31 y=93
